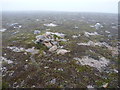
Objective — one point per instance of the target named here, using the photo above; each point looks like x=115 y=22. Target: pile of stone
x=50 y=25
x=3 y=30
x=51 y=41
x=87 y=34
x=98 y=26
x=15 y=25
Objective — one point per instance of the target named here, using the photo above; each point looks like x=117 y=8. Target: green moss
x=63 y=43
x=86 y=79
x=52 y=86
x=5 y=85
x=41 y=47
x=99 y=83
x=82 y=68
x=55 y=36
x=113 y=75
x=4 y=63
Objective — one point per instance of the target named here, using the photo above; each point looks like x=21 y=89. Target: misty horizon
x=103 y=6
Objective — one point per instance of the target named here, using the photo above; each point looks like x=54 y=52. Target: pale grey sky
x=108 y=6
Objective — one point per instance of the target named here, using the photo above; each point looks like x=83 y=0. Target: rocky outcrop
x=51 y=41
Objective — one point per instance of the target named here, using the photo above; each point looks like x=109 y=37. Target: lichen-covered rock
x=16 y=49
x=62 y=51
x=48 y=44
x=37 y=32
x=32 y=50
x=53 y=48
x=99 y=64
x=42 y=37
x=105 y=85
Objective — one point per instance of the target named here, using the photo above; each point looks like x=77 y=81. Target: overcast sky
x=107 y=6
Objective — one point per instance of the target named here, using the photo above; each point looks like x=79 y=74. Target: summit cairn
x=51 y=41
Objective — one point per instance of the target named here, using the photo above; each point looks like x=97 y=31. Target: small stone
x=26 y=60
x=44 y=52
x=74 y=36
x=89 y=86
x=105 y=85
x=46 y=67
x=53 y=81
x=5 y=54
x=25 y=53
x=116 y=71
x=32 y=50
x=60 y=69
x=62 y=51
x=64 y=40
x=33 y=86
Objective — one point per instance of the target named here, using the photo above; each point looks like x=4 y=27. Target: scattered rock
x=76 y=27
x=107 y=32
x=37 y=32
x=3 y=30
x=16 y=25
x=15 y=32
x=40 y=37
x=37 y=19
x=91 y=43
x=53 y=81
x=3 y=69
x=62 y=51
x=61 y=46
x=114 y=27
x=5 y=54
x=105 y=85
x=58 y=34
x=64 y=40
x=46 y=67
x=74 y=36
x=116 y=71
x=90 y=87
x=26 y=60
x=50 y=25
x=99 y=64
x=92 y=26
x=32 y=50
x=16 y=49
x=47 y=29
x=6 y=60
x=60 y=69
x=25 y=53
x=87 y=34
